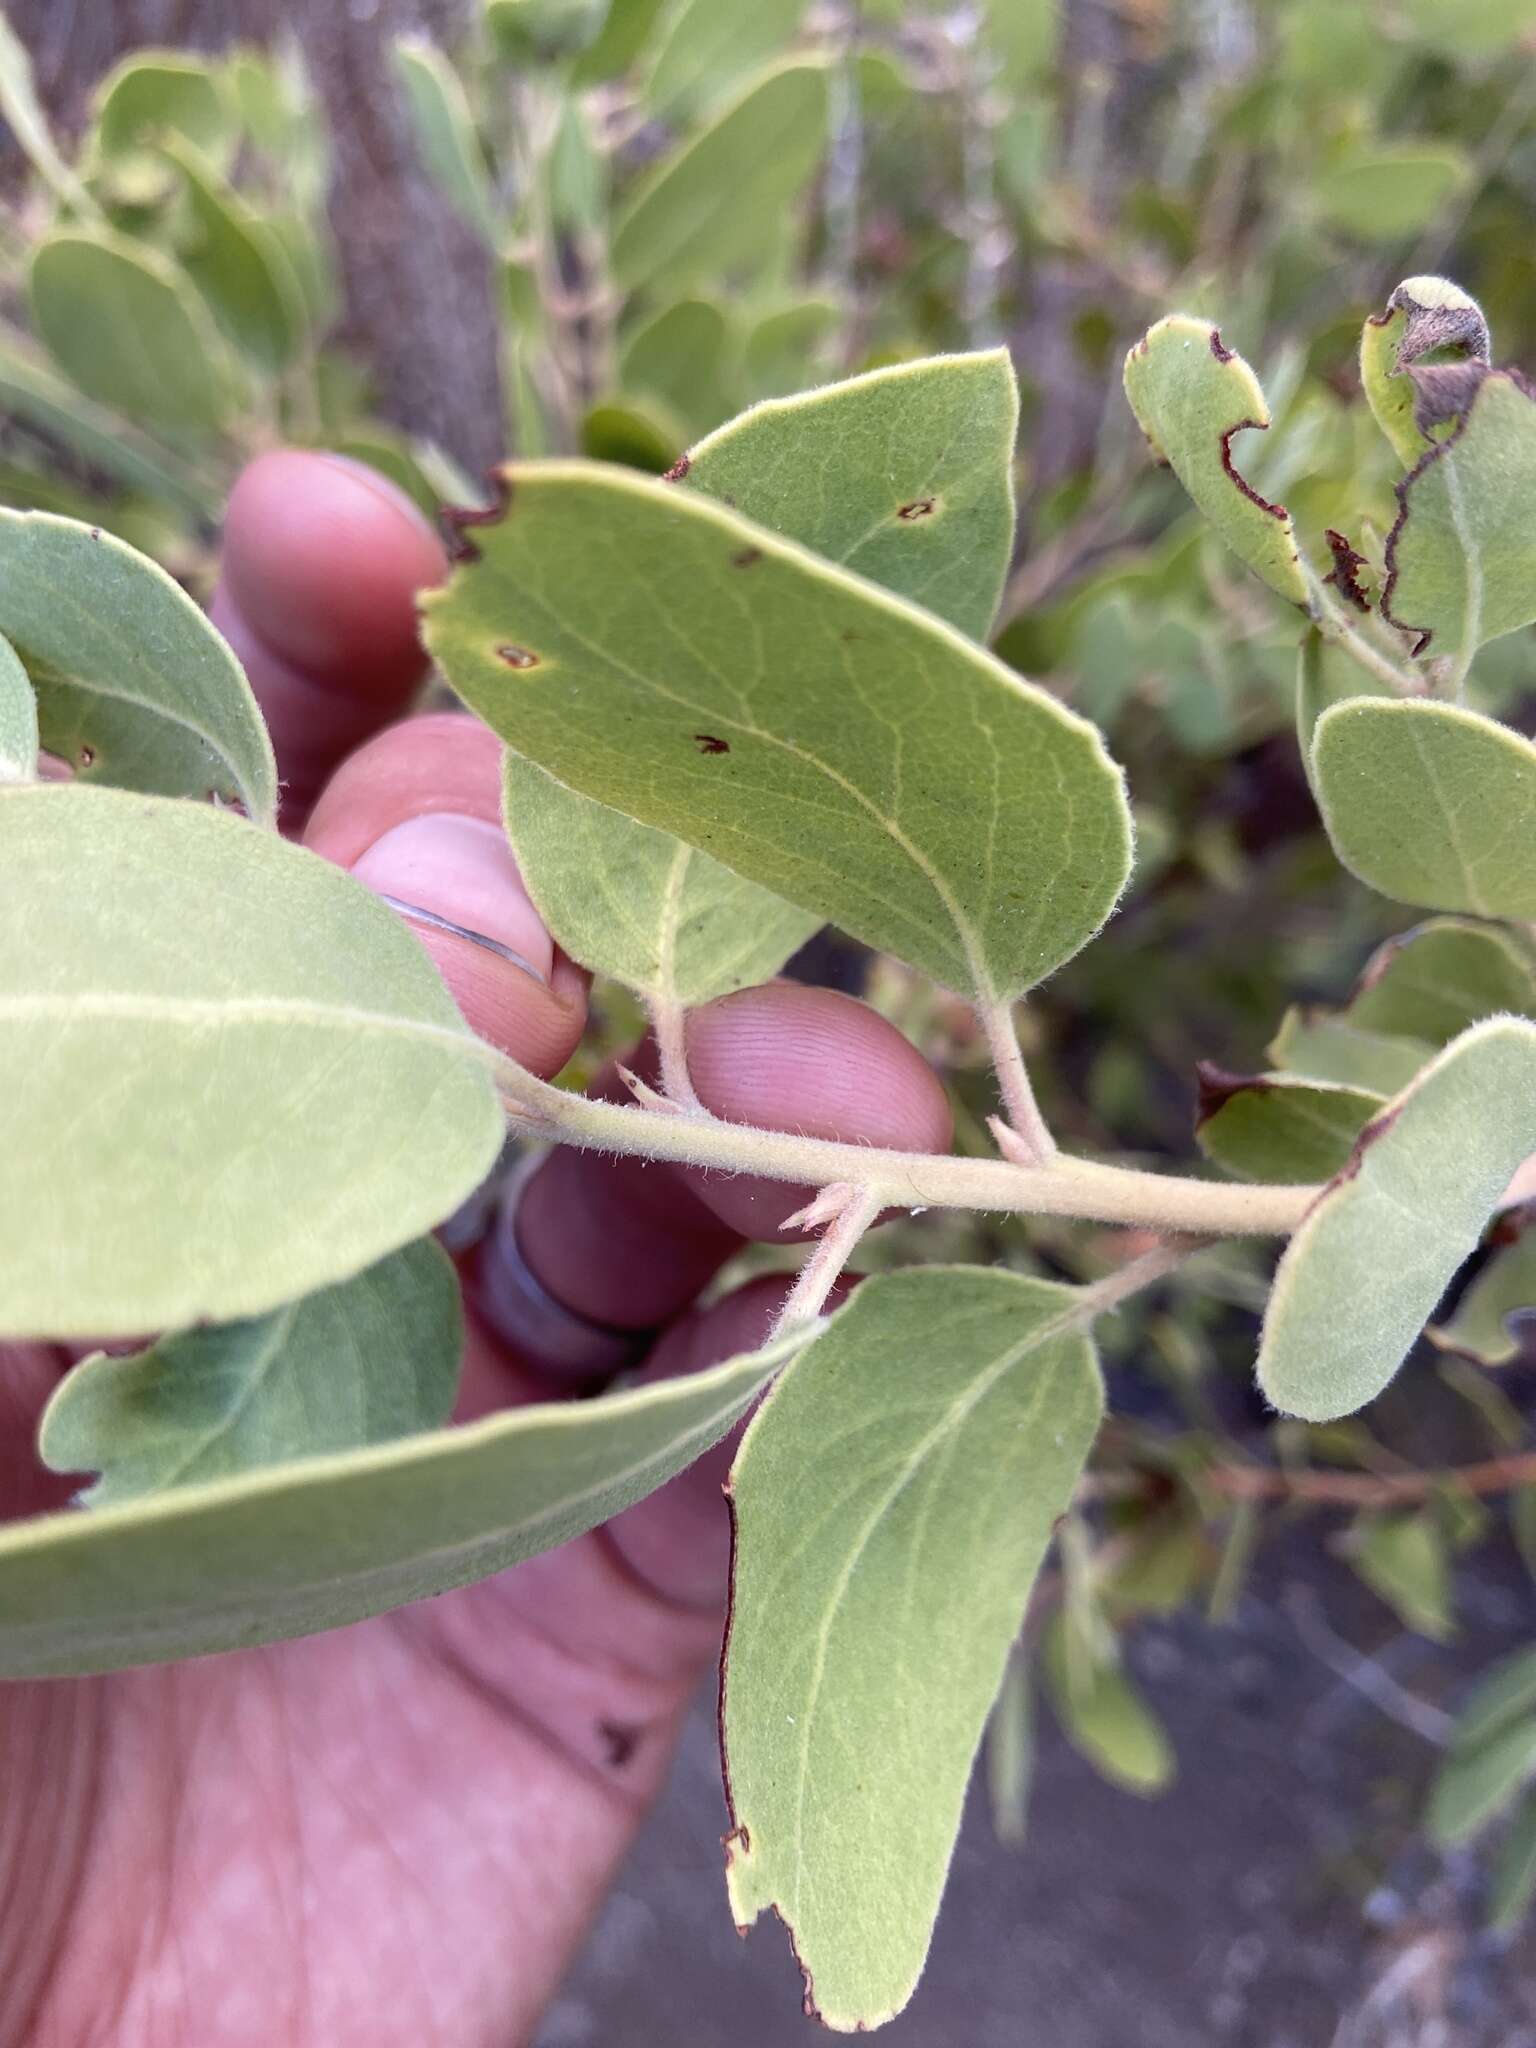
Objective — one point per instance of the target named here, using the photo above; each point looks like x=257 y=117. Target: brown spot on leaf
x=87 y=756
x=1218 y=350
x=1429 y=329
x=620 y=1740
x=918 y=508
x=1216 y=1087
x=459 y=518
x=707 y=743
x=517 y=657
x=1345 y=573
x=678 y=471
x=746 y=558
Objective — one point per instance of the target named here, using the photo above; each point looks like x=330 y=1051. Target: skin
x=398 y=1833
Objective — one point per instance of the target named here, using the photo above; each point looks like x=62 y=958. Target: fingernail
x=382 y=486
x=459 y=872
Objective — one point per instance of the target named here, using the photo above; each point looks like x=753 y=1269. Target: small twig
x=1362 y=1672
x=847 y=1212
x=1370 y=1489
x=1101 y=1297
x=1032 y=1143
x=1332 y=624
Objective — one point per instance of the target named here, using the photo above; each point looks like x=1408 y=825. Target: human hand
x=397 y=1833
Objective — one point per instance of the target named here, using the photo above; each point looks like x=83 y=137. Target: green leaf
x=1506 y=1694
x=1472 y=1785
x=705 y=48
x=682 y=360
x=22 y=113
x=152 y=94
x=191 y=1000
x=1023 y=35
x=625 y=30
x=134 y=686
x=1364 y=1272
x=639 y=905
x=1432 y=982
x=1274 y=1128
x=1320 y=1047
x=325 y=1541
x=1192 y=396
x=445 y=130
x=1490 y=1315
x=709 y=209
x=1514 y=1873
x=1461 y=556
x=127 y=326
x=1011 y=1753
x=1402 y=1559
x=1424 y=316
x=813 y=733
x=904 y=475
x=1431 y=804
x=1389 y=191
x=1325 y=675
x=373 y=1358
x=18 y=719
x=624 y=434
x=240 y=267
x=1106 y=1720
x=893 y=1499
x=1467 y=29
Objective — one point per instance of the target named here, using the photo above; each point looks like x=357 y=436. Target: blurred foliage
x=689 y=206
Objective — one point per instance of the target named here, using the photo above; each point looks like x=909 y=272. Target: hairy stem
x=1332 y=624
x=669 y=1022
x=831 y=1253
x=1036 y=1145
x=1064 y=1187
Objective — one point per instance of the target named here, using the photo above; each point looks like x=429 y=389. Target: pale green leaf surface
x=18 y=719
x=239 y=266
x=1318 y=1046
x=1325 y=675
x=711 y=208
x=625 y=31
x=1473 y=1784
x=127 y=326
x=1107 y=1721
x=1362 y=1275
x=893 y=1501
x=1513 y=1885
x=1386 y=192
x=903 y=475
x=1276 y=1128
x=135 y=687
x=370 y=1359
x=808 y=730
x=1430 y=804
x=1461 y=558
x=1191 y=397
x=243 y=1077
x=781 y=344
x=1466 y=29
x=326 y=1541
x=445 y=130
x=1507 y=1693
x=1431 y=983
x=1402 y=1559
x=1500 y=1302
x=704 y=48
x=683 y=358
x=637 y=904
x=155 y=93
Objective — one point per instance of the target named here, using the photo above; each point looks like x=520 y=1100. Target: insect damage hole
x=517 y=657
x=917 y=508
x=707 y=743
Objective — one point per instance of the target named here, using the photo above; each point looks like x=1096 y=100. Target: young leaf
x=324 y=1541
x=1362 y=1275
x=706 y=211
x=134 y=686
x=683 y=360
x=1402 y=1558
x=1319 y=1047
x=445 y=131
x=1497 y=1309
x=1430 y=804
x=1461 y=556
x=18 y=719
x=1514 y=1873
x=892 y=1502
x=153 y=94
x=1424 y=316
x=188 y=1004
x=1473 y=1784
x=1389 y=191
x=1432 y=982
x=1192 y=396
x=373 y=1358
x=903 y=475
x=704 y=48
x=818 y=736
x=1107 y=1721
x=126 y=325
x=1276 y=1127
x=639 y=905
x=239 y=266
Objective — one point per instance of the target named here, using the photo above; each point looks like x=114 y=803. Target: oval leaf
x=1430 y=804
x=1473 y=1784
x=818 y=736
x=134 y=685
x=190 y=1002
x=239 y=266
x=1273 y=1127
x=1192 y=396
x=329 y=1540
x=445 y=130
x=155 y=93
x=892 y=1500
x=374 y=1358
x=1362 y=1275
x=1431 y=983
x=904 y=475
